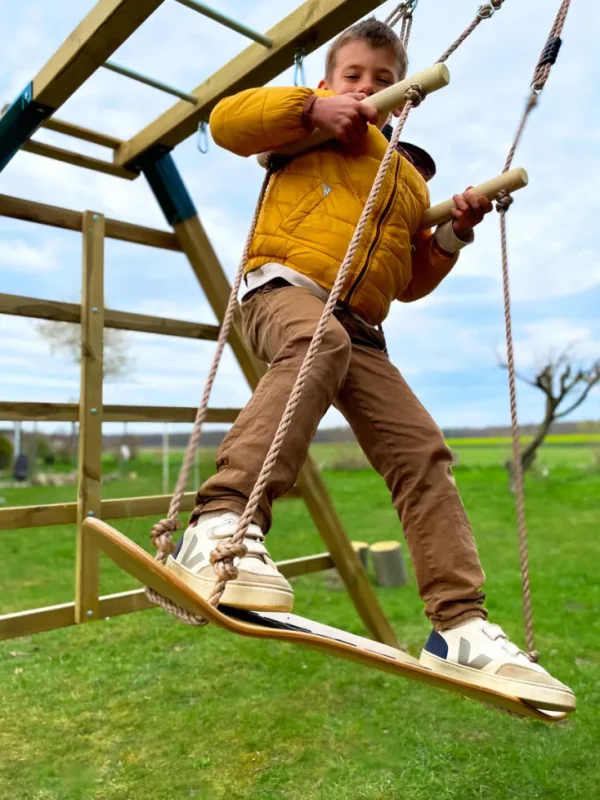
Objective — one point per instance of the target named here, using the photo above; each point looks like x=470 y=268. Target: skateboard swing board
x=293 y=629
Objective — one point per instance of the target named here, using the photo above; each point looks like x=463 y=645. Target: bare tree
x=66 y=337
x=565 y=386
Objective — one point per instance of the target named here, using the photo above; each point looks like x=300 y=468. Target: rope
x=403 y=11
x=503 y=203
x=222 y=559
x=162 y=532
x=486 y=11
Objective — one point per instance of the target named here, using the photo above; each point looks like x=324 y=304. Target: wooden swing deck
x=291 y=628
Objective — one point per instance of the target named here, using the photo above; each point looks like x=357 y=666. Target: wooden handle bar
x=509 y=181
x=386 y=101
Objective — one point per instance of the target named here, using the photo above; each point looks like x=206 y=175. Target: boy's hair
x=376 y=34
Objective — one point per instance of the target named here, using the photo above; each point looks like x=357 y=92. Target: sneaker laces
x=253 y=533
x=496 y=633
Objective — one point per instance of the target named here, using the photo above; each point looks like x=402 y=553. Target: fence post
x=87 y=583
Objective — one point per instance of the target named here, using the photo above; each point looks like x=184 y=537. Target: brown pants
x=353 y=372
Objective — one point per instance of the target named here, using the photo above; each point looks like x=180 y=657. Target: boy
x=306 y=223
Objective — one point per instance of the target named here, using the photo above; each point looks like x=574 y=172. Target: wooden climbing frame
x=104 y=29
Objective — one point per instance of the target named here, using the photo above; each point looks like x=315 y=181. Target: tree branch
x=579 y=401
x=520 y=376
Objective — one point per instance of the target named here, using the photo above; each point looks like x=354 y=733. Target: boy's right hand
x=344 y=116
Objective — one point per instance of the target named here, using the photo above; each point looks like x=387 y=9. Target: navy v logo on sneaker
x=464 y=652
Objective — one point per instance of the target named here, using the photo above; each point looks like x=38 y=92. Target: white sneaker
x=259 y=585
x=481 y=654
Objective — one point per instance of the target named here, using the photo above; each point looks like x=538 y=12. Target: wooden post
x=165 y=458
x=90 y=415
x=388 y=564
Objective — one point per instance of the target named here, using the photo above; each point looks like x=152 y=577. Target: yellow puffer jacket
x=314 y=203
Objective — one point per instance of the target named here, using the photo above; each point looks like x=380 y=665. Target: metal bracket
x=19 y=122
x=168 y=187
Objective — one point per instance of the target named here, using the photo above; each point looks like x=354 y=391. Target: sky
x=447 y=345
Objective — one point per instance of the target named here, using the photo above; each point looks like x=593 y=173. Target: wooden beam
x=107 y=26
x=309 y=26
x=306 y=565
x=78 y=159
x=57 y=217
x=76 y=131
x=208 y=270
x=39 y=620
x=17 y=517
x=203 y=259
x=69 y=412
x=85 y=134
x=31 y=307
x=90 y=415
x=344 y=556
x=167 y=414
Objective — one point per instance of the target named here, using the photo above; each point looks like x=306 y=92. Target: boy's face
x=362 y=68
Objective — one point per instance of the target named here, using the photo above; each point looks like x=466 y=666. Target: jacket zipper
x=380 y=222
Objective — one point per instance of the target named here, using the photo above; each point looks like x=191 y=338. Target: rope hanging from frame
x=503 y=203
x=403 y=12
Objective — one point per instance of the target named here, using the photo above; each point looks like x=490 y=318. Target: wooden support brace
x=34 y=308
x=90 y=415
x=77 y=131
x=78 y=160
x=38 y=620
x=107 y=26
x=310 y=25
x=69 y=412
x=16 y=517
x=66 y=218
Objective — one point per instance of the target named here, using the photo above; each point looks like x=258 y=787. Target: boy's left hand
x=469 y=209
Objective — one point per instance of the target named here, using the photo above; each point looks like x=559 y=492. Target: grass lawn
x=141 y=707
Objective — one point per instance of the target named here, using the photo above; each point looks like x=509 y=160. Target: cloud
x=542 y=341
x=20 y=256
x=439 y=343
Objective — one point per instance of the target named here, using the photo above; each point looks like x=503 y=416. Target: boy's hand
x=344 y=116
x=469 y=210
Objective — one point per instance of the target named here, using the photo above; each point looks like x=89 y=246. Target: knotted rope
x=403 y=11
x=503 y=203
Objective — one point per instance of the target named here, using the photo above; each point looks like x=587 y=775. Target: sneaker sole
x=238 y=593
x=550 y=698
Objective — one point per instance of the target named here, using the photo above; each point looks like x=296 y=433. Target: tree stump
x=334 y=581
x=362 y=550
x=388 y=564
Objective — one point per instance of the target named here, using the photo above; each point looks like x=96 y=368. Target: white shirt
x=444 y=234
